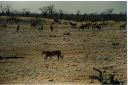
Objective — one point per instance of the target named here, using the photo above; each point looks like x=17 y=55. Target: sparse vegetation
x=100 y=44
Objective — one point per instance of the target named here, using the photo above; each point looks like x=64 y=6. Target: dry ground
x=82 y=51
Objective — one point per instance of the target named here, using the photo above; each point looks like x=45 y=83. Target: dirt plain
x=82 y=50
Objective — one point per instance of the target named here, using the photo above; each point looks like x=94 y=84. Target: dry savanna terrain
x=22 y=61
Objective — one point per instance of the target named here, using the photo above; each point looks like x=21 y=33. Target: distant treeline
x=51 y=12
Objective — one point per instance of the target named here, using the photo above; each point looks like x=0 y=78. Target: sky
x=69 y=6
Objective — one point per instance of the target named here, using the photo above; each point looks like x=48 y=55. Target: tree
x=51 y=10
x=8 y=10
x=108 y=11
x=16 y=12
x=3 y=9
x=44 y=11
x=48 y=10
x=78 y=12
x=78 y=17
x=25 y=12
x=61 y=13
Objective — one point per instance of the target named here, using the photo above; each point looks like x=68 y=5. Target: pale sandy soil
x=82 y=51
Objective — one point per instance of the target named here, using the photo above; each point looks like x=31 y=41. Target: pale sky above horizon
x=69 y=6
